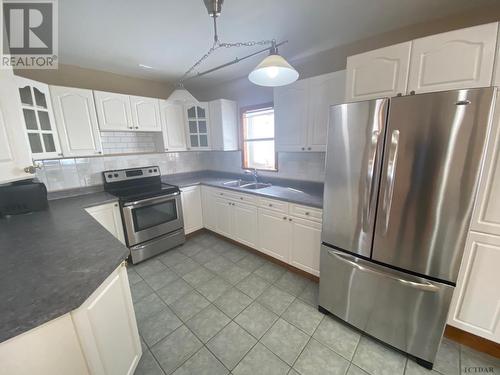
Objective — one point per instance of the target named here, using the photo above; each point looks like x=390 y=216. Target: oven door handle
x=150 y=201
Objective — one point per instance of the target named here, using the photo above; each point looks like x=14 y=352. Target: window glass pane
x=48 y=141
x=260 y=154
x=25 y=93
x=43 y=117
x=150 y=216
x=30 y=119
x=202 y=125
x=259 y=124
x=203 y=141
x=192 y=112
x=194 y=140
x=192 y=127
x=40 y=98
x=201 y=112
x=35 y=144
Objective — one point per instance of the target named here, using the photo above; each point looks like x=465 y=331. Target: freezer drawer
x=405 y=311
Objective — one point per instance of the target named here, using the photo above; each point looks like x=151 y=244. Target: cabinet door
x=245 y=224
x=197 y=117
x=291 y=116
x=379 y=73
x=325 y=90
x=191 y=209
x=476 y=298
x=108 y=215
x=14 y=149
x=486 y=216
x=172 y=120
x=454 y=60
x=38 y=118
x=209 y=208
x=107 y=327
x=145 y=114
x=223 y=125
x=274 y=234
x=496 y=77
x=223 y=220
x=113 y=111
x=305 y=245
x=76 y=120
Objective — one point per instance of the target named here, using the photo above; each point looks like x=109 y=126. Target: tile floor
x=211 y=307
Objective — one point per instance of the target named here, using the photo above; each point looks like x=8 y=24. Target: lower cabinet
x=223 y=217
x=191 y=208
x=245 y=224
x=274 y=233
x=305 y=244
x=108 y=215
x=208 y=208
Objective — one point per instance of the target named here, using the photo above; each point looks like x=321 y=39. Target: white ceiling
x=118 y=35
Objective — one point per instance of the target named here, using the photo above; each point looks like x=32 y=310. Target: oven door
x=152 y=217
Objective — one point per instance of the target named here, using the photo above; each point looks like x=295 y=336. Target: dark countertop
x=52 y=261
x=301 y=192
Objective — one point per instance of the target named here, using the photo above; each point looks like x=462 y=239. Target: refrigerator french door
x=401 y=178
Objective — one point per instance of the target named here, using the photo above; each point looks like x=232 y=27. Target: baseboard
x=472 y=341
x=262 y=255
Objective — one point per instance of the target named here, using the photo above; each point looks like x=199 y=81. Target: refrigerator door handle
x=369 y=179
x=355 y=262
x=391 y=173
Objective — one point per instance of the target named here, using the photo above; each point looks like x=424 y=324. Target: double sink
x=246 y=185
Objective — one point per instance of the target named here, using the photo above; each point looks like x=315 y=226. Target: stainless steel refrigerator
x=401 y=179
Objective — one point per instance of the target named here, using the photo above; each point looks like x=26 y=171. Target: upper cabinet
x=224 y=125
x=197 y=122
x=378 y=73
x=38 y=118
x=113 y=111
x=496 y=78
x=301 y=111
x=145 y=114
x=76 y=120
x=453 y=60
x=14 y=149
x=173 y=126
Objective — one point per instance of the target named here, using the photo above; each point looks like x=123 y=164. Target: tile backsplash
x=131 y=142
x=62 y=174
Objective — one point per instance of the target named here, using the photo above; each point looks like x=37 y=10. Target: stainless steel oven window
x=154 y=215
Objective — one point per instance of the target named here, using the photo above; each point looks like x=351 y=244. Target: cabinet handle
x=309 y=148
x=289 y=219
x=32 y=168
x=412 y=92
x=303 y=148
x=137 y=127
x=166 y=149
x=60 y=154
x=307 y=213
x=116 y=204
x=98 y=152
x=241 y=198
x=284 y=217
x=270 y=205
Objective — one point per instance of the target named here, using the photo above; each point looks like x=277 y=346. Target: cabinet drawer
x=306 y=212
x=246 y=198
x=274 y=205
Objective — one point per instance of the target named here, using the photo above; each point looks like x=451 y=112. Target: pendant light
x=273 y=71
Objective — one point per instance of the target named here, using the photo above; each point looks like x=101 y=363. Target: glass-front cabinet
x=198 y=126
x=38 y=118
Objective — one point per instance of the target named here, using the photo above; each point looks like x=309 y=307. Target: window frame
x=244 y=161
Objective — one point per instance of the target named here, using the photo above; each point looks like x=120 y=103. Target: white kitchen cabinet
x=245 y=224
x=223 y=220
x=198 y=126
x=486 y=216
x=145 y=114
x=173 y=126
x=113 y=111
x=208 y=206
x=224 y=125
x=496 y=73
x=476 y=301
x=108 y=215
x=457 y=59
x=379 y=73
x=76 y=120
x=305 y=245
x=290 y=116
x=324 y=91
x=50 y=349
x=38 y=118
x=274 y=234
x=107 y=328
x=14 y=149
x=192 y=209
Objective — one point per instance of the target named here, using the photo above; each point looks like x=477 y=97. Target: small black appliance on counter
x=22 y=197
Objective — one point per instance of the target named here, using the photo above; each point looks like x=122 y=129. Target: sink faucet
x=252 y=172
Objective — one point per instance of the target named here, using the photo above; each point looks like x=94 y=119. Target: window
x=258 y=139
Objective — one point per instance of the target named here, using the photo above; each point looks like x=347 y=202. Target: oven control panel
x=130 y=174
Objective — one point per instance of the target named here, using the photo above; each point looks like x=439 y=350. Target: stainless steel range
x=151 y=210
